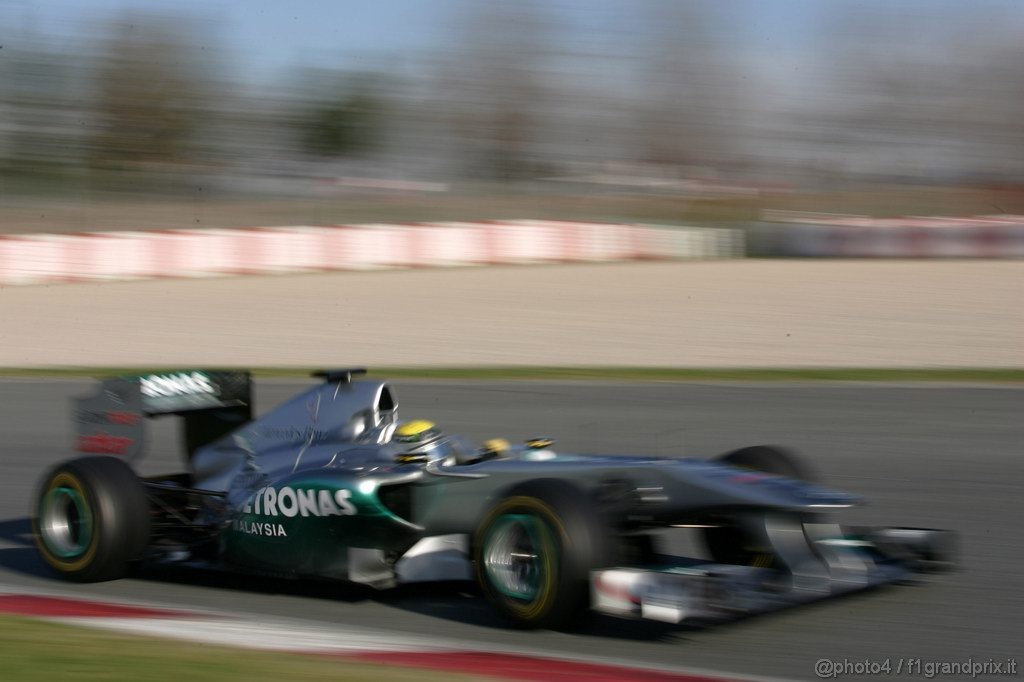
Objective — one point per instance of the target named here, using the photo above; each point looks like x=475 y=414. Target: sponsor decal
x=267 y=530
x=104 y=444
x=291 y=502
x=752 y=477
x=179 y=383
x=290 y=434
x=119 y=418
x=122 y=418
x=620 y=587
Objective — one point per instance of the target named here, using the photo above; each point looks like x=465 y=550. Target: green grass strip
x=33 y=650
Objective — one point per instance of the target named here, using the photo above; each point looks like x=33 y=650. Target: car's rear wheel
x=739 y=540
x=534 y=550
x=91 y=519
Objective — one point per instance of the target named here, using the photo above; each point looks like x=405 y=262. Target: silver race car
x=331 y=485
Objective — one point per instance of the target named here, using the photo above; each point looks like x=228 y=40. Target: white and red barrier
x=837 y=236
x=46 y=258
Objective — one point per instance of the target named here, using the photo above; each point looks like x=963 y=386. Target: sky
x=263 y=38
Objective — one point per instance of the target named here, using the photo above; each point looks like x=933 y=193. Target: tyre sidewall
x=118 y=513
x=574 y=539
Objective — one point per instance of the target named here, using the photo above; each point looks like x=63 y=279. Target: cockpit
x=421 y=441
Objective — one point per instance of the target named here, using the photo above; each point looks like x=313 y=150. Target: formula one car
x=331 y=485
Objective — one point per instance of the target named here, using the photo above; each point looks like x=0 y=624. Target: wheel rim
x=514 y=558
x=65 y=523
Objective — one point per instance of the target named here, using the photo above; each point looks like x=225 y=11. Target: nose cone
x=744 y=487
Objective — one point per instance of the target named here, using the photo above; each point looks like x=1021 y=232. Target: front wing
x=819 y=564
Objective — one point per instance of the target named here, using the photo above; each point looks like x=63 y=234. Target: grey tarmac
x=938 y=456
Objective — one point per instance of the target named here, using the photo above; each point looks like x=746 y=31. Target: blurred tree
x=349 y=125
x=690 y=89
x=495 y=94
x=40 y=118
x=913 y=97
x=151 y=98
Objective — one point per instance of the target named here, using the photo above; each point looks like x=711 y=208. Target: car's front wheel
x=534 y=550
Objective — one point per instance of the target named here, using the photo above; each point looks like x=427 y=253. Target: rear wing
x=211 y=404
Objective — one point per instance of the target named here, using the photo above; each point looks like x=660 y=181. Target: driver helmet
x=421 y=440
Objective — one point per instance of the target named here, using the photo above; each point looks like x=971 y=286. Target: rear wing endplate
x=212 y=403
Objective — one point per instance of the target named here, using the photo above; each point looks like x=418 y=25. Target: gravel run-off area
x=743 y=313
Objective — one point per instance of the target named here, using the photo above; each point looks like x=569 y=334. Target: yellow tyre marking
x=541 y=605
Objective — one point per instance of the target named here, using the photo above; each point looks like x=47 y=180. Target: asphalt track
x=946 y=457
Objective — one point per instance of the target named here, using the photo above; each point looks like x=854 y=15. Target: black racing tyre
x=770 y=459
x=91 y=519
x=534 y=550
x=732 y=542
